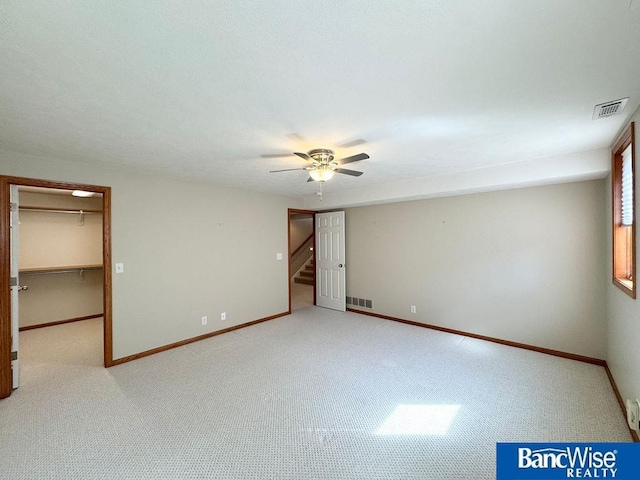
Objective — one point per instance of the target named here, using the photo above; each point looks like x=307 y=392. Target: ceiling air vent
x=609 y=108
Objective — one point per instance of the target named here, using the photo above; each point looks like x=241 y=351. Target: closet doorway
x=302 y=273
x=61 y=271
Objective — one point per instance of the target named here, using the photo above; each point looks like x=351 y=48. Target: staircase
x=305 y=275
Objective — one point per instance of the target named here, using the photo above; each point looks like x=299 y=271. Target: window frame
x=623 y=237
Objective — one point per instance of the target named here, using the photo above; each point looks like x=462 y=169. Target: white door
x=15 y=372
x=330 y=261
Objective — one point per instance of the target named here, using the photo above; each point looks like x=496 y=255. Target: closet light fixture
x=82 y=193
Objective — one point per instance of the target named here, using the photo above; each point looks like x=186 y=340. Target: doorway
x=8 y=299
x=302 y=275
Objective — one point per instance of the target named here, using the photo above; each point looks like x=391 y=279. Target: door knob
x=23 y=287
x=340 y=265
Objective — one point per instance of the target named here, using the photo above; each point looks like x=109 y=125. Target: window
x=624 y=224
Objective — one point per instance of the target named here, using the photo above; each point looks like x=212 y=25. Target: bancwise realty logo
x=554 y=461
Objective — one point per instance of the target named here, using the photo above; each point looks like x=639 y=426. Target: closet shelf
x=53 y=270
x=57 y=210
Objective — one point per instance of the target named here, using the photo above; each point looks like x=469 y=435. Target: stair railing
x=300 y=255
x=304 y=242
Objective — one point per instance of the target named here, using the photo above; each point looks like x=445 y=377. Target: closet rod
x=53 y=210
x=53 y=272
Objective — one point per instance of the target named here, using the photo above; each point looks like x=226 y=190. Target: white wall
x=188 y=250
x=301 y=228
x=55 y=239
x=623 y=312
x=523 y=265
x=63 y=296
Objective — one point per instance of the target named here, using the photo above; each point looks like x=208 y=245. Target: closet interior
x=60 y=257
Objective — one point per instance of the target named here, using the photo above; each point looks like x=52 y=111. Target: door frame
x=313 y=215
x=5 y=268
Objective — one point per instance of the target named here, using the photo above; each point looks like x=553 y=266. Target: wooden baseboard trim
x=59 y=322
x=164 y=348
x=623 y=408
x=548 y=351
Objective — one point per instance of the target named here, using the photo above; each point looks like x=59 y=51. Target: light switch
x=278 y=256
x=119 y=267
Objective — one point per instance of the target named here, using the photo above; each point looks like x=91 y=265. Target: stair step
x=306 y=273
x=309 y=267
x=305 y=280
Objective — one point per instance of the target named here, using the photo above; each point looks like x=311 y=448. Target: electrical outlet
x=223 y=316
x=413 y=309
x=633 y=412
x=204 y=320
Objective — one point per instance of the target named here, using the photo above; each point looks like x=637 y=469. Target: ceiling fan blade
x=287 y=170
x=352 y=143
x=295 y=137
x=353 y=158
x=353 y=173
x=310 y=180
x=276 y=155
x=303 y=155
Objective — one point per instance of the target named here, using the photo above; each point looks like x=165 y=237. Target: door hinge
x=14 y=356
x=13 y=207
x=14 y=282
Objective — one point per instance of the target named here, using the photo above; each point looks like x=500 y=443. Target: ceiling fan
x=323 y=165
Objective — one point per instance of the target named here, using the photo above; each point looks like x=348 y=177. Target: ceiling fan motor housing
x=322 y=156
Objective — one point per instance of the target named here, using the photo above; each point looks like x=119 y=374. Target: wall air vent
x=360 y=302
x=610 y=108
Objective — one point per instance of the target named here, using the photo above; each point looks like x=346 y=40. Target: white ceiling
x=202 y=89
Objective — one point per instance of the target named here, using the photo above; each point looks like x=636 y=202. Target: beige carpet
x=314 y=395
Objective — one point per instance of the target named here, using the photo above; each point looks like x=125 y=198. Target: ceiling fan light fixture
x=322 y=164
x=321 y=174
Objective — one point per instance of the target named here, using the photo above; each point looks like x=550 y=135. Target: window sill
x=627 y=286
